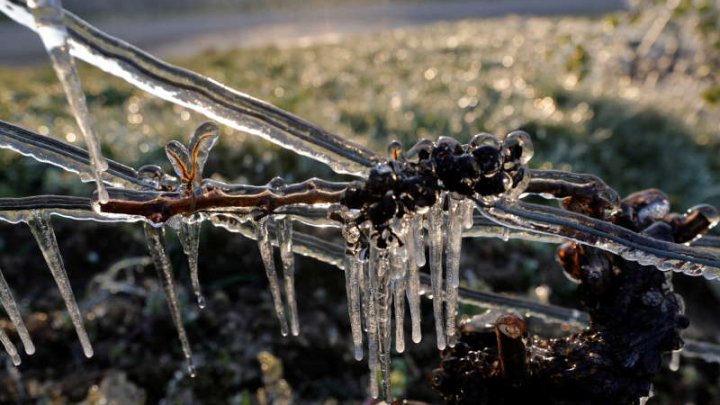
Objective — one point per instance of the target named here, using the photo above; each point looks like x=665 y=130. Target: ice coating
x=189 y=235
x=188 y=163
x=11 y=309
x=435 y=241
x=205 y=96
x=48 y=16
x=156 y=247
x=455 y=223
x=266 y=252
x=44 y=234
x=284 y=236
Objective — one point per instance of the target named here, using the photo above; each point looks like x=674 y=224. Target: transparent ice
x=11 y=309
x=284 y=237
x=156 y=246
x=44 y=235
x=189 y=235
x=435 y=242
x=266 y=252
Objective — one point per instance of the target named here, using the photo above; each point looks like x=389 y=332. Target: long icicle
x=156 y=246
x=10 y=306
x=455 y=222
x=266 y=251
x=398 y=264
x=284 y=236
x=435 y=240
x=371 y=316
x=189 y=235
x=384 y=320
x=412 y=284
x=10 y=348
x=48 y=16
x=399 y=307
x=43 y=232
x=352 y=284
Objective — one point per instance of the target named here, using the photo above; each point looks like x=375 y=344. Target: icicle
x=352 y=284
x=399 y=301
x=45 y=236
x=8 y=303
x=156 y=246
x=266 y=251
x=675 y=360
x=398 y=273
x=417 y=231
x=189 y=235
x=435 y=240
x=412 y=285
x=372 y=322
x=48 y=15
x=384 y=319
x=10 y=348
x=284 y=236
x=455 y=220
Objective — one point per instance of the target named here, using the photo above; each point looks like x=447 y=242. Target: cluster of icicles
x=378 y=281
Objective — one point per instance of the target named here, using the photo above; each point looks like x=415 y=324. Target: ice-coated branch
x=159 y=207
x=204 y=95
x=610 y=237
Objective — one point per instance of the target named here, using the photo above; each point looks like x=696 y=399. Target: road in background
x=188 y=34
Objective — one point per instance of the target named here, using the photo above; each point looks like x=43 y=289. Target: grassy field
x=576 y=85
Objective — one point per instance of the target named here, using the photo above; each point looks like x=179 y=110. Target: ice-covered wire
x=68 y=157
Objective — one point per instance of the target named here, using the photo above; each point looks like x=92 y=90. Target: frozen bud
x=395 y=150
x=451 y=143
x=485 y=139
x=709 y=212
x=153 y=172
x=420 y=150
x=488 y=158
x=277 y=183
x=519 y=146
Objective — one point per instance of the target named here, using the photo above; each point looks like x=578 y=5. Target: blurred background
x=628 y=91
